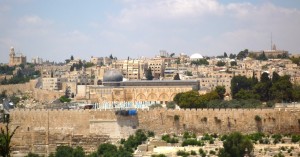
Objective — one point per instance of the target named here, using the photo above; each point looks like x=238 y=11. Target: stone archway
x=140 y=97
x=164 y=97
x=152 y=97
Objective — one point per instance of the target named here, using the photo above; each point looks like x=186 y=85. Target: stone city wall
x=42 y=130
x=18 y=88
x=38 y=94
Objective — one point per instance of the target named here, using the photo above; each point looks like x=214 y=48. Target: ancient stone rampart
x=42 y=130
x=38 y=94
x=17 y=88
x=221 y=120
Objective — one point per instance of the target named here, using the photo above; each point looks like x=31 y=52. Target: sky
x=56 y=29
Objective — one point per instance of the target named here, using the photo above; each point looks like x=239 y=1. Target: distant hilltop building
x=273 y=53
x=16 y=59
x=37 y=60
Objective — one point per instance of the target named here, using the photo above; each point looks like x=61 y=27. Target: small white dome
x=196 y=56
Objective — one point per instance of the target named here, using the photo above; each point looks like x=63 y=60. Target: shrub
x=182 y=153
x=212 y=152
x=193 y=152
x=257 y=118
x=295 y=138
x=192 y=142
x=176 y=117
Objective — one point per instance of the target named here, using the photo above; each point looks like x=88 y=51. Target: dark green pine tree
x=148 y=74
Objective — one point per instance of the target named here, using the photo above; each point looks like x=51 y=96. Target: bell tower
x=12 y=55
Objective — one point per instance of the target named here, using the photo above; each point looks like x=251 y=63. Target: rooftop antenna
x=271 y=42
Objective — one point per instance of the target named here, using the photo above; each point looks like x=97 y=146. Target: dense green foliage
x=214 y=99
x=169 y=139
x=200 y=62
x=295 y=138
x=148 y=74
x=125 y=149
x=67 y=151
x=5 y=69
x=233 y=63
x=88 y=64
x=191 y=139
x=171 y=105
x=5 y=139
x=20 y=77
x=64 y=99
x=192 y=99
x=295 y=60
x=277 y=89
x=242 y=54
x=32 y=155
x=159 y=155
x=236 y=145
x=262 y=56
x=77 y=66
x=220 y=63
x=182 y=153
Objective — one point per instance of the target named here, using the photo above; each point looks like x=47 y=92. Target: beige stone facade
x=16 y=59
x=42 y=130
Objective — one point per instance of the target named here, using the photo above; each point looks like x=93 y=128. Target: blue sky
x=57 y=29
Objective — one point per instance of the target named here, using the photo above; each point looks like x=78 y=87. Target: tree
x=246 y=94
x=107 y=150
x=282 y=90
x=232 y=56
x=221 y=91
x=67 y=61
x=148 y=74
x=111 y=56
x=262 y=57
x=5 y=137
x=225 y=55
x=220 y=63
x=240 y=82
x=236 y=145
x=78 y=152
x=176 y=77
x=295 y=60
x=200 y=62
x=242 y=54
x=172 y=55
x=63 y=151
x=233 y=63
x=275 y=77
x=263 y=87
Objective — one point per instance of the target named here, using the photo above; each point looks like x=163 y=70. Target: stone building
x=157 y=66
x=114 y=90
x=273 y=53
x=16 y=59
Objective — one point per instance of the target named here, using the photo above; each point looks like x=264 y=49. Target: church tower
x=16 y=59
x=12 y=55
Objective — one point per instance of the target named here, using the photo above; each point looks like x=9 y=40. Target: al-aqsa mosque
x=135 y=94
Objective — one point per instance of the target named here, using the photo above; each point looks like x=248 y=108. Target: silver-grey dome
x=112 y=76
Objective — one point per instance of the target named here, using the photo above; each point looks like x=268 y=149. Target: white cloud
x=34 y=20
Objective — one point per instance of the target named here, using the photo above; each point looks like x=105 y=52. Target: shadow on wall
x=127 y=118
